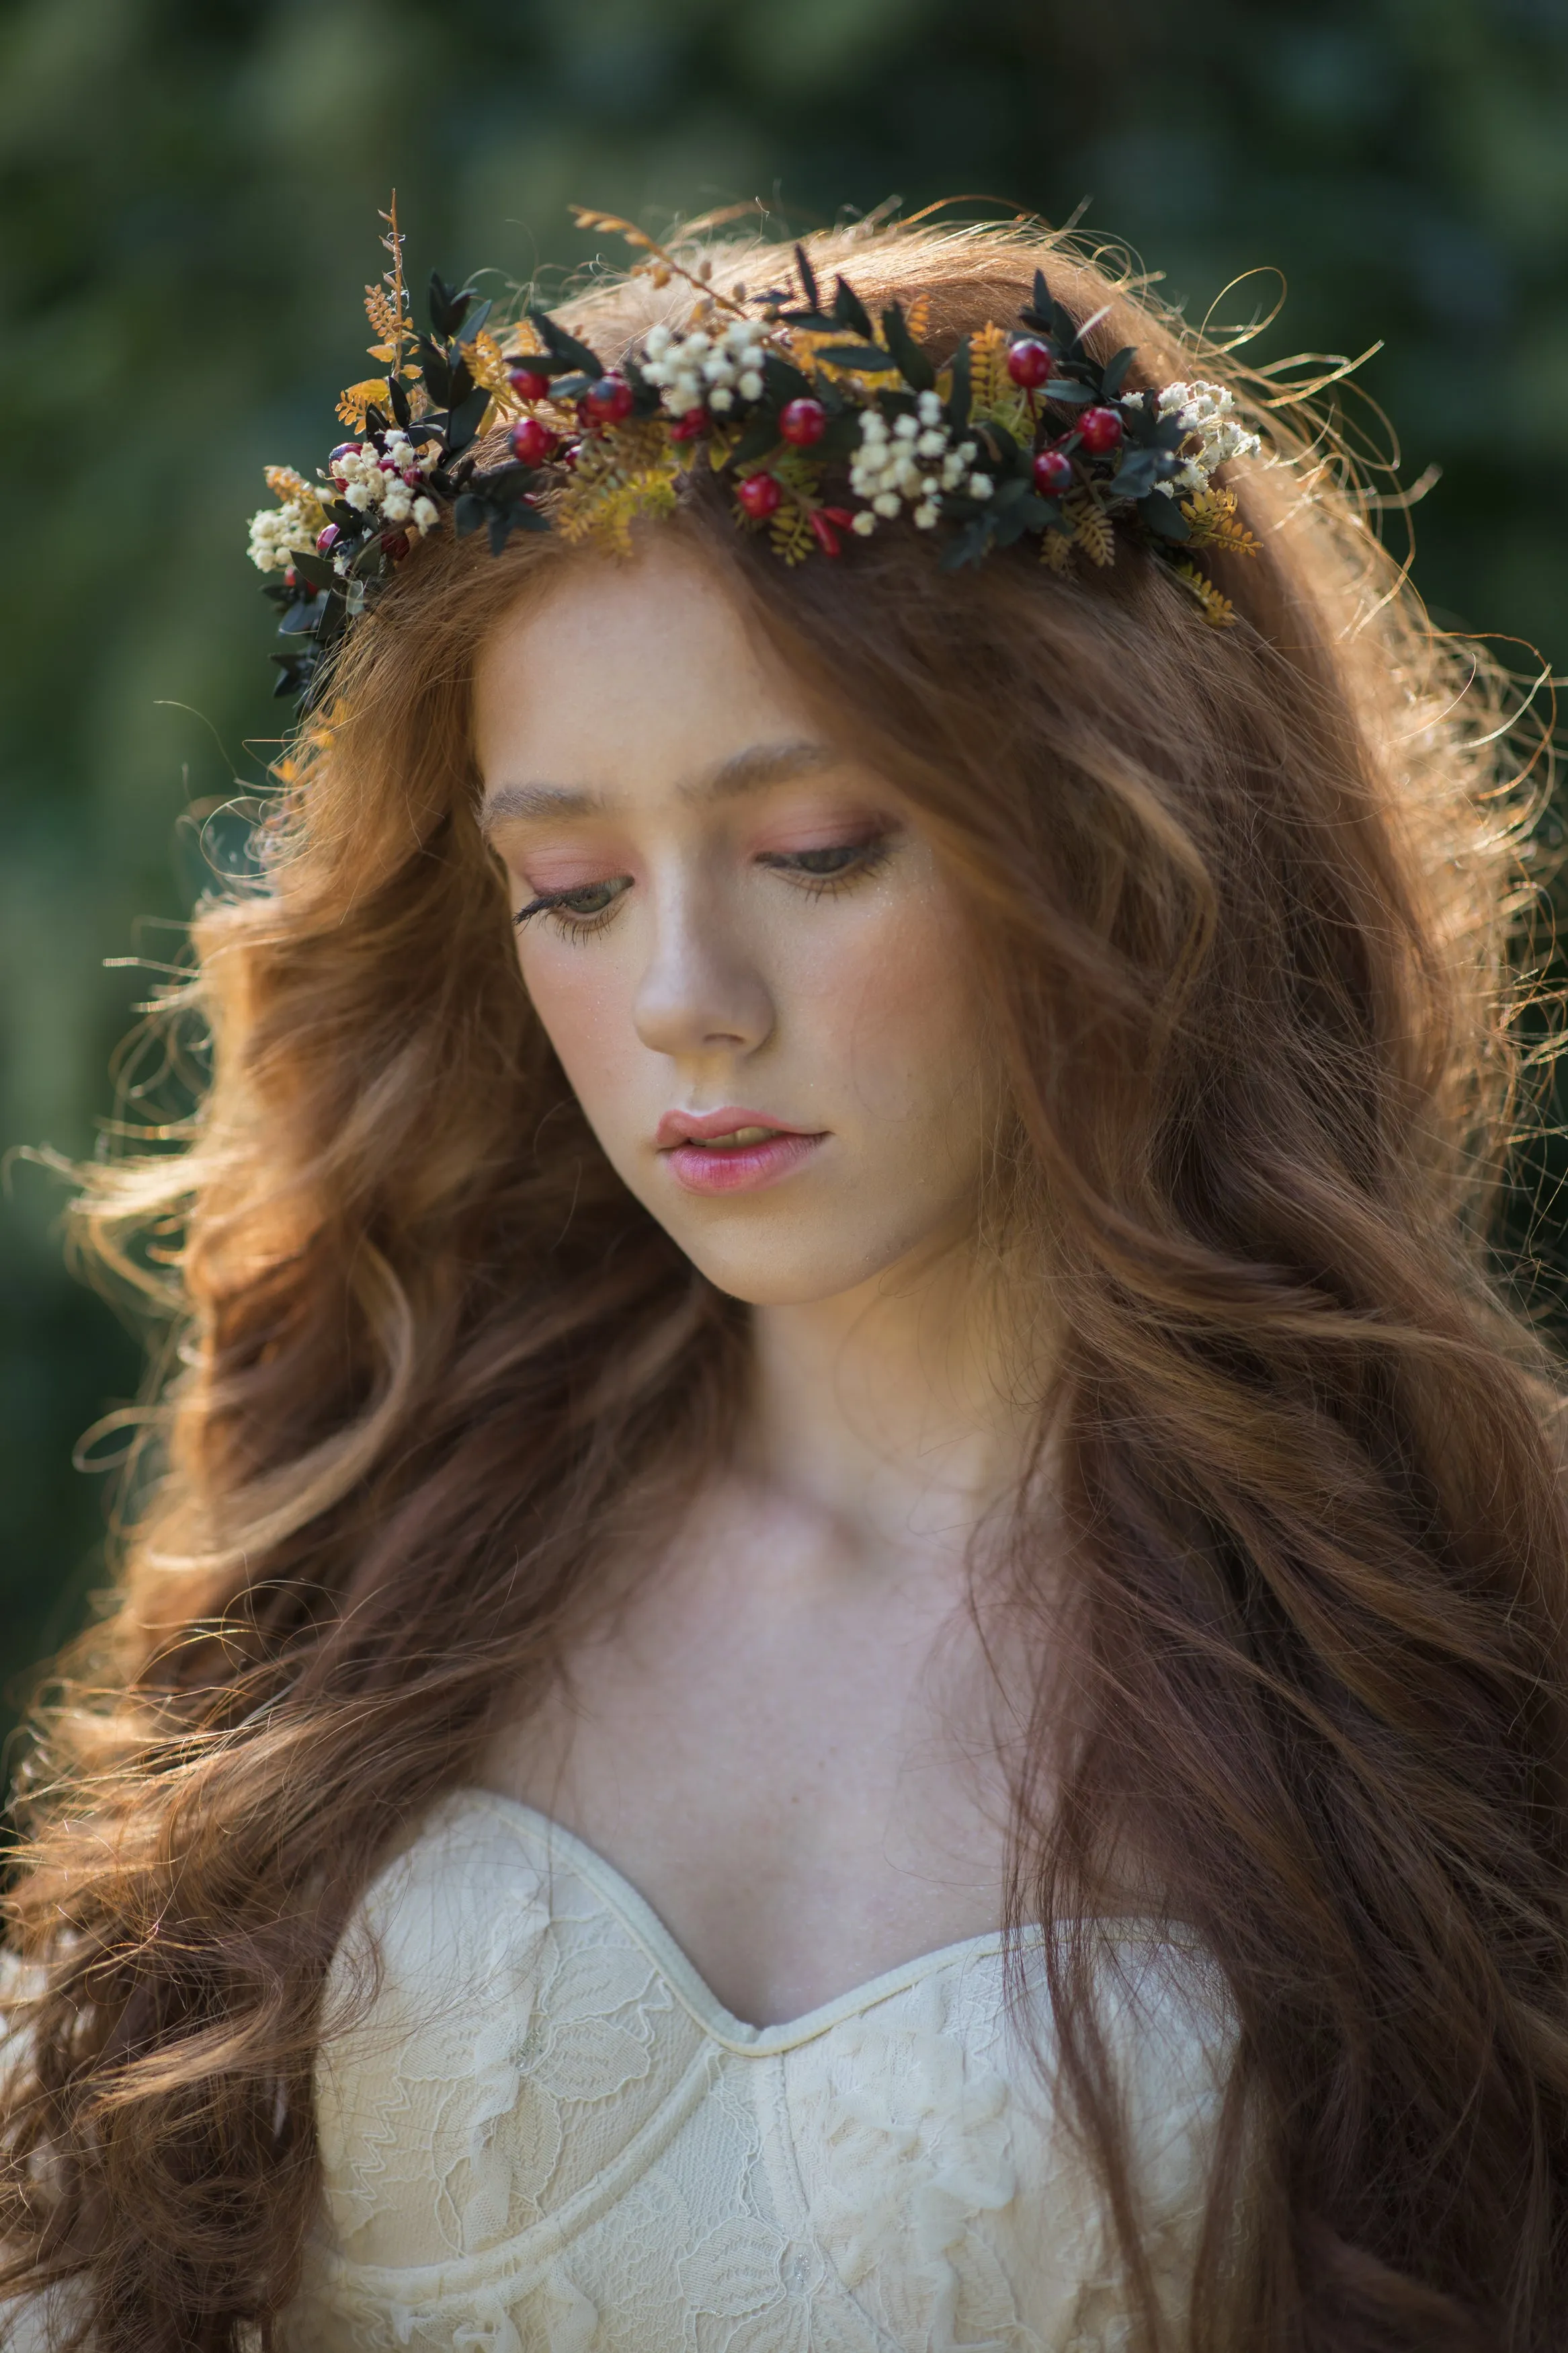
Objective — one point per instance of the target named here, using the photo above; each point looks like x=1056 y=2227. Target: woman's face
x=743 y=951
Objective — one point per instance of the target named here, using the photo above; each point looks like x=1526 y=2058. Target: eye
x=582 y=908
x=836 y=863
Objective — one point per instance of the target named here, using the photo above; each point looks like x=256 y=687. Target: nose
x=702 y=991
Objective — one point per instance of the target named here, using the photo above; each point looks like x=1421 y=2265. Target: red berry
x=1100 y=429
x=413 y=477
x=608 y=401
x=827 y=537
x=531 y=442
x=343 y=449
x=1030 y=365
x=395 y=543
x=804 y=423
x=528 y=384
x=290 y=578
x=1053 y=472
x=693 y=423
x=326 y=539
x=760 y=495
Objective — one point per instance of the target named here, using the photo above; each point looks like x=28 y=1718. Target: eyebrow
x=751 y=771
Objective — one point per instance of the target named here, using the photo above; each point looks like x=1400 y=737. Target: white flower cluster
x=1208 y=410
x=913 y=462
x=704 y=370
x=385 y=482
x=276 y=532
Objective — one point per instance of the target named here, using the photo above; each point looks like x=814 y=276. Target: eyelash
x=867 y=856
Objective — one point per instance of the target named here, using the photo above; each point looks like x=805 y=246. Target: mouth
x=732 y=1151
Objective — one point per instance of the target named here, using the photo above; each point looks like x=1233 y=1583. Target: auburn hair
x=1242 y=901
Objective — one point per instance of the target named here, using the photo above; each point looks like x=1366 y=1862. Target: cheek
x=585 y=1003
x=891 y=1010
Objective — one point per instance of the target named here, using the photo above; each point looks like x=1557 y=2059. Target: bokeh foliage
x=190 y=190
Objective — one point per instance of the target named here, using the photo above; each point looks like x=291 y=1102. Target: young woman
x=851 y=1634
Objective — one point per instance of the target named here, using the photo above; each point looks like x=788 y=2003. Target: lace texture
x=541 y=2133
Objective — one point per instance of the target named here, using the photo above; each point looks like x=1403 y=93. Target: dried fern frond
x=619 y=477
x=385 y=323
x=1056 y=551
x=1218 y=611
x=789 y=529
x=357 y=398
x=1092 y=528
x=1213 y=518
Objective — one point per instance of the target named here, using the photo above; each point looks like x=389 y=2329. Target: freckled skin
x=718 y=980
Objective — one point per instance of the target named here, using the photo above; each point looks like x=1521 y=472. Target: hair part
x=1242 y=901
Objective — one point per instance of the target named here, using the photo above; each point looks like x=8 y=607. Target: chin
x=796 y=1271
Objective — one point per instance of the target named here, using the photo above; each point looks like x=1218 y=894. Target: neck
x=893 y=1410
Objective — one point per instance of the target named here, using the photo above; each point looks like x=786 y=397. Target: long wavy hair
x=1243 y=900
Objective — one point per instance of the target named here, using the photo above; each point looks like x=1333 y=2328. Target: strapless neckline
x=696 y=1996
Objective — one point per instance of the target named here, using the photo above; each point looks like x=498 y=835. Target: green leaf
x=1115 y=373
x=315 y=569
x=464 y=421
x=469 y=512
x=849 y=310
x=961 y=393
x=841 y=437
x=566 y=348
x=761 y=436
x=1136 y=476
x=436 y=372
x=399 y=400
x=1068 y=394
x=1165 y=517
x=807 y=278
x=1008 y=493
x=449 y=305
x=913 y=364
x=783 y=382
x=473 y=323
x=866 y=359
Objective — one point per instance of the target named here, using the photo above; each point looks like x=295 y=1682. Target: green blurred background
x=189 y=216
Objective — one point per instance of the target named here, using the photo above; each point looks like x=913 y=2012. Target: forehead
x=649 y=667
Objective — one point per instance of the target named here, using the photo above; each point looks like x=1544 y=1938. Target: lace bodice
x=541 y=2133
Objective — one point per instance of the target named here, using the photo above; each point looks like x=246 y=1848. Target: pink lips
x=700 y=1164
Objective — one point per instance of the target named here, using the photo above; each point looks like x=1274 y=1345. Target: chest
x=801 y=1771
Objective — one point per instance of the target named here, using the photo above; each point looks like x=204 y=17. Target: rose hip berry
x=609 y=400
x=1053 y=472
x=760 y=495
x=326 y=539
x=531 y=442
x=1100 y=429
x=528 y=384
x=802 y=423
x=1030 y=365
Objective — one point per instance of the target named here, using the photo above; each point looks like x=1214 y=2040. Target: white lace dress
x=544 y=2135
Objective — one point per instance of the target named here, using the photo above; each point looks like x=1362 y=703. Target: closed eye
x=834 y=866
x=582 y=908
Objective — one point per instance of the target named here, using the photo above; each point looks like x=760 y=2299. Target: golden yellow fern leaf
x=1218 y=611
x=385 y=323
x=790 y=533
x=488 y=365
x=988 y=377
x=1056 y=550
x=619 y=476
x=1213 y=517
x=1092 y=528
x=353 y=402
x=918 y=317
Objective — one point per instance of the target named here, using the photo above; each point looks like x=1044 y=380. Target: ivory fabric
x=541 y=2133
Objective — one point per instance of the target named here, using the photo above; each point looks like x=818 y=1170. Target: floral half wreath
x=824 y=422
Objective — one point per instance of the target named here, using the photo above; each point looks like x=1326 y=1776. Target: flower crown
x=824 y=422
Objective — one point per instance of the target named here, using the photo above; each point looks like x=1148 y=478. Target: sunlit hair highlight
x=1243 y=900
